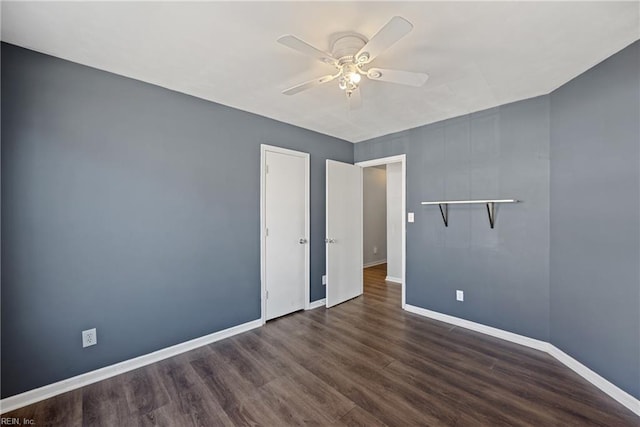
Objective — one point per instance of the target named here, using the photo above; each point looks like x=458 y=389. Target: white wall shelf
x=491 y=207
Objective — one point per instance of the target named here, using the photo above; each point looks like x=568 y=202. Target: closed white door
x=285 y=233
x=344 y=232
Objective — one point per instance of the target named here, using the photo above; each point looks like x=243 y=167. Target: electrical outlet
x=459 y=295
x=375 y=249
x=89 y=337
x=410 y=217
x=324 y=280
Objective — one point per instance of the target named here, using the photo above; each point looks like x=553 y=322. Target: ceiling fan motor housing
x=345 y=47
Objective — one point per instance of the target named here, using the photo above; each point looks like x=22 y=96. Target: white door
x=285 y=232
x=344 y=232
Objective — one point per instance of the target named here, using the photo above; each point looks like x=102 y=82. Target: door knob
x=302 y=241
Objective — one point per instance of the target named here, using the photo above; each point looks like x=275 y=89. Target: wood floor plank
x=365 y=362
x=190 y=395
x=228 y=386
x=245 y=365
x=335 y=345
x=104 y=403
x=358 y=417
x=389 y=408
x=66 y=410
x=452 y=394
x=292 y=407
x=144 y=391
x=168 y=415
x=332 y=404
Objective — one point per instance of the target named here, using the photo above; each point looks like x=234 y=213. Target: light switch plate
x=459 y=295
x=410 y=217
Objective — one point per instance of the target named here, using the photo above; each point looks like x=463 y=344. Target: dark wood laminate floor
x=363 y=363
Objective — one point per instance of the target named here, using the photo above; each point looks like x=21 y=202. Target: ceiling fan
x=351 y=53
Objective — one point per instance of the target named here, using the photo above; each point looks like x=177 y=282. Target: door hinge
x=266 y=232
x=267 y=167
x=267 y=295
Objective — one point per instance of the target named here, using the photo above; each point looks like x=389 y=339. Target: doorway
x=284 y=223
x=384 y=237
x=375 y=225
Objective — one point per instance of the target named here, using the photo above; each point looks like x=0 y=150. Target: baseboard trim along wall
x=318 y=303
x=479 y=327
x=393 y=279
x=603 y=384
x=50 y=390
x=374 y=263
x=32 y=396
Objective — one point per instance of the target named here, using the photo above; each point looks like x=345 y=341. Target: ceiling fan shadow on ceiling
x=351 y=54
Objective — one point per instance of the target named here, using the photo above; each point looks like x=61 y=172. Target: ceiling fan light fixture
x=349 y=77
x=342 y=83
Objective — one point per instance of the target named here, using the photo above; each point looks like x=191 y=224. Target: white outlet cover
x=410 y=217
x=324 y=280
x=459 y=295
x=89 y=337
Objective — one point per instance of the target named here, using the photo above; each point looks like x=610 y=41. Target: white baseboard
x=318 y=303
x=603 y=384
x=393 y=279
x=373 y=263
x=50 y=390
x=478 y=327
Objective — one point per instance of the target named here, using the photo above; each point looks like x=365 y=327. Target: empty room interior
x=330 y=213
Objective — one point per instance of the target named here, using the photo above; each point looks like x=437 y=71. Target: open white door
x=344 y=232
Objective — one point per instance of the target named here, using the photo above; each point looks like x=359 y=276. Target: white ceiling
x=478 y=54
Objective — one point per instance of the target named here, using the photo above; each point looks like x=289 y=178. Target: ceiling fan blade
x=305 y=48
x=354 y=100
x=394 y=30
x=308 y=85
x=398 y=76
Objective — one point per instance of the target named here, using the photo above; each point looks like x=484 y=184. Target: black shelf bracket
x=444 y=213
x=491 y=210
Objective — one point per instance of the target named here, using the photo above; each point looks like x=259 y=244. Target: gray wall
x=374 y=215
x=498 y=153
x=129 y=208
x=595 y=219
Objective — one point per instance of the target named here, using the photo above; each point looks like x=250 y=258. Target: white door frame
x=263 y=226
x=402 y=159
